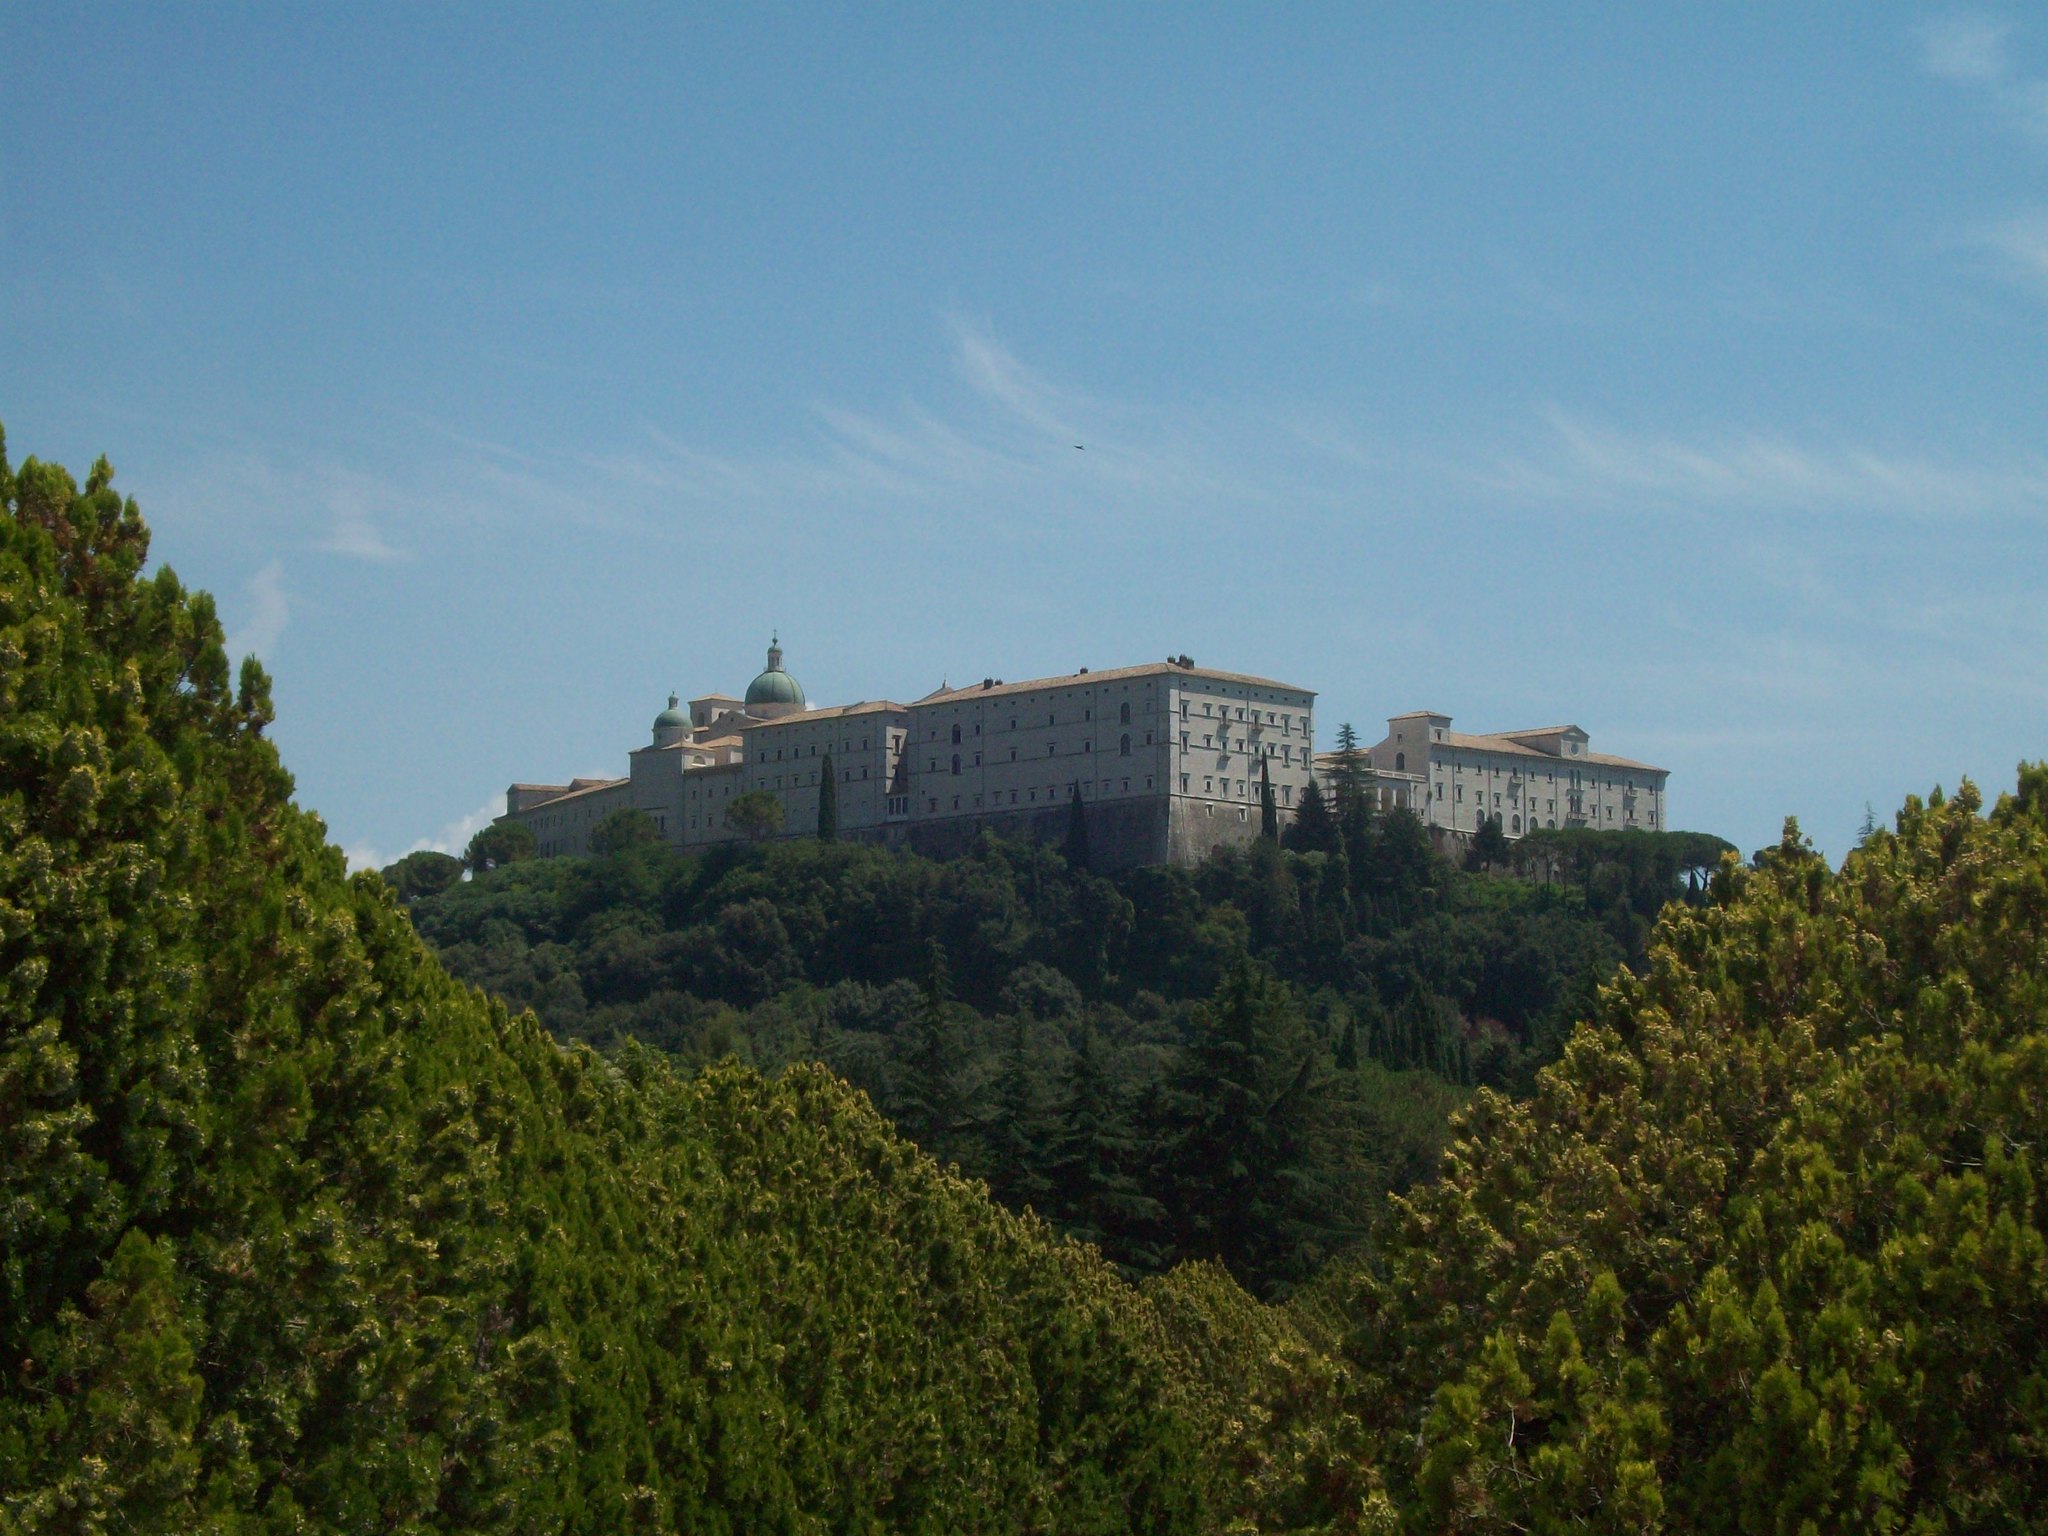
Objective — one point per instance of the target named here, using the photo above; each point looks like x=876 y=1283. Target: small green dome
x=775 y=686
x=671 y=718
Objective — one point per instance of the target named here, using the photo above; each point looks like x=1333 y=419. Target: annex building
x=1543 y=778
x=1166 y=757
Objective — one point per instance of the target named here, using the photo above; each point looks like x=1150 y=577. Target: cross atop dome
x=774 y=693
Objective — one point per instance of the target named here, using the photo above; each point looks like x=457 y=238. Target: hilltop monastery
x=1167 y=759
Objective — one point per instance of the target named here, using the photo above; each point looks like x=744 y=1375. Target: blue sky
x=1678 y=371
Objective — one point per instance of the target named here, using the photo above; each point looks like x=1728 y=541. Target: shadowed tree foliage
x=499 y=844
x=1077 y=830
x=1314 y=828
x=828 y=802
x=622 y=831
x=423 y=873
x=755 y=814
x=1489 y=845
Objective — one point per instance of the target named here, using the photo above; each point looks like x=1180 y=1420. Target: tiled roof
x=580 y=788
x=1108 y=675
x=830 y=712
x=689 y=744
x=1509 y=748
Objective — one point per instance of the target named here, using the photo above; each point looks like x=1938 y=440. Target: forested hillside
x=298 y=1233
x=1099 y=1050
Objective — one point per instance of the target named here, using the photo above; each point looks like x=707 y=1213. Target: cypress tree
x=1092 y=1154
x=1077 y=830
x=1349 y=779
x=938 y=1101
x=1314 y=829
x=828 y=804
x=1269 y=813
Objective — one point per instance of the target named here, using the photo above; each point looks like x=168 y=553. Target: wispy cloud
x=452 y=838
x=1589 y=462
x=1966 y=48
x=997 y=441
x=266 y=610
x=2021 y=243
x=1974 y=50
x=305 y=500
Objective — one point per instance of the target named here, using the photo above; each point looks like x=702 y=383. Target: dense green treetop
x=1764 y=1252
x=297 y=1233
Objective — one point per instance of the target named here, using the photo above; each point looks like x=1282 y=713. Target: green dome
x=775 y=686
x=671 y=718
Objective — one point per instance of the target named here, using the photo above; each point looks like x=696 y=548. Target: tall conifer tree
x=1077 y=830
x=828 y=803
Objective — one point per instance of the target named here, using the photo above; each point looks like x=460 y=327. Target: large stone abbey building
x=1167 y=759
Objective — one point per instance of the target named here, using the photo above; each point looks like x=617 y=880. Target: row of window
x=1029 y=796
x=845 y=747
x=1219 y=743
x=1284 y=720
x=1210 y=710
x=1244 y=790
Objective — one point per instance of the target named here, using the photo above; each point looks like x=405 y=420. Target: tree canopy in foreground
x=298 y=1233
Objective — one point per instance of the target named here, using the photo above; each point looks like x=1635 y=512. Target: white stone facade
x=1528 y=779
x=1162 y=731
x=1166 y=757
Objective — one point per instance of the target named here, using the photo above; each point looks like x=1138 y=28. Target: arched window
x=1400 y=762
x=956 y=764
x=1124 y=718
x=1518 y=823
x=1124 y=749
